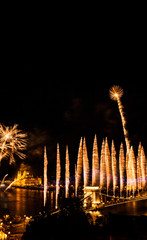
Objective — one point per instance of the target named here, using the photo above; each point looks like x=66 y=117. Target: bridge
x=95 y=199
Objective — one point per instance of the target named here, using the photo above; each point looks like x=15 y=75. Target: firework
x=85 y=164
x=143 y=168
x=45 y=175
x=102 y=166
x=133 y=171
x=67 y=174
x=95 y=164
x=114 y=166
x=108 y=164
x=116 y=93
x=76 y=189
x=79 y=165
x=3 y=180
x=131 y=179
x=139 y=175
x=58 y=175
x=12 y=142
x=121 y=168
x=11 y=184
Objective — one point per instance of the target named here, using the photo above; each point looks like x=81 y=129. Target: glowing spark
x=79 y=166
x=133 y=171
x=12 y=184
x=114 y=166
x=143 y=168
x=121 y=168
x=85 y=164
x=108 y=164
x=116 y=93
x=12 y=142
x=102 y=166
x=95 y=164
x=76 y=189
x=67 y=174
x=4 y=179
x=139 y=172
x=45 y=175
x=58 y=175
x=131 y=179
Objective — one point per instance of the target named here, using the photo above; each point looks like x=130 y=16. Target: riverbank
x=14 y=226
x=71 y=222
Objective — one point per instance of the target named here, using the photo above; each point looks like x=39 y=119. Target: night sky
x=55 y=81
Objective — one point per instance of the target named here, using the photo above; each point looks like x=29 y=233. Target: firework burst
x=116 y=92
x=12 y=142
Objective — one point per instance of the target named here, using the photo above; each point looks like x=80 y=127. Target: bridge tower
x=92 y=196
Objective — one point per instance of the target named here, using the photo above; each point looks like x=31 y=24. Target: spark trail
x=45 y=175
x=95 y=164
x=116 y=93
x=12 y=184
x=102 y=166
x=85 y=164
x=114 y=167
x=79 y=166
x=58 y=175
x=121 y=168
x=67 y=174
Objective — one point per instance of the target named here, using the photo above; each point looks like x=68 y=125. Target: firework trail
x=76 y=189
x=3 y=180
x=114 y=166
x=45 y=175
x=58 y=175
x=121 y=168
x=12 y=142
x=139 y=175
x=143 y=168
x=95 y=164
x=108 y=164
x=85 y=164
x=131 y=180
x=133 y=171
x=102 y=166
x=116 y=93
x=13 y=183
x=79 y=166
x=67 y=174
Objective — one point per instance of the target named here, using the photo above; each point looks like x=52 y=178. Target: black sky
x=55 y=80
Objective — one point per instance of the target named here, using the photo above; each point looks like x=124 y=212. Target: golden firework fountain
x=113 y=175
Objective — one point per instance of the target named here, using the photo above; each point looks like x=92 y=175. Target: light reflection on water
x=138 y=208
x=24 y=202
x=29 y=202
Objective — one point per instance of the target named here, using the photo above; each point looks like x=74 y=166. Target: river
x=22 y=202
x=28 y=202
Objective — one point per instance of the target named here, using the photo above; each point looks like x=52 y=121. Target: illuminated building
x=3 y=236
x=25 y=178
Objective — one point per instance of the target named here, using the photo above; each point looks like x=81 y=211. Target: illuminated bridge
x=95 y=199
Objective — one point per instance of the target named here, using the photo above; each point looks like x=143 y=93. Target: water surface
x=29 y=202
x=22 y=202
